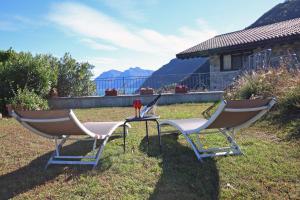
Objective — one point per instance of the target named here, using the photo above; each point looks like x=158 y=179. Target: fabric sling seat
x=230 y=117
x=60 y=125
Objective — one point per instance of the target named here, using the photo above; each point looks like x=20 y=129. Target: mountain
x=131 y=72
x=283 y=11
x=136 y=71
x=175 y=71
x=127 y=81
x=110 y=74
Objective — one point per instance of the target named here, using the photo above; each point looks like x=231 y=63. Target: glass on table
x=135 y=105
x=139 y=105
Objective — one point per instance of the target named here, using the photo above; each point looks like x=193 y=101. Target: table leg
x=147 y=135
x=124 y=136
x=158 y=132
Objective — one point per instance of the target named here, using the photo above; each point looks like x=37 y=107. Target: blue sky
x=118 y=34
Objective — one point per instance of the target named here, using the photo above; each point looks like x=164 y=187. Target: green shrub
x=282 y=83
x=25 y=99
x=74 y=78
x=41 y=73
x=290 y=103
x=20 y=70
x=253 y=84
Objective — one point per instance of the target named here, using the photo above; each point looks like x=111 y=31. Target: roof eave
x=240 y=47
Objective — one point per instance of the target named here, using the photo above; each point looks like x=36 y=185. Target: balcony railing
x=160 y=83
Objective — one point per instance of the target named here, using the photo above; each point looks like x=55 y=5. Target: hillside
x=110 y=74
x=284 y=11
x=175 y=71
x=199 y=79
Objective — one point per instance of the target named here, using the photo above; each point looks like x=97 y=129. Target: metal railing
x=195 y=81
x=160 y=83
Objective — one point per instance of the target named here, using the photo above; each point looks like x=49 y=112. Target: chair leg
x=99 y=152
x=56 y=158
x=194 y=147
x=231 y=139
x=95 y=144
x=56 y=151
x=200 y=152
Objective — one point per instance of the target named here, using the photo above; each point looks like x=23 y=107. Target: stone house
x=231 y=53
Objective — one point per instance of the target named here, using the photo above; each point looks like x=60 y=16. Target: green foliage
x=41 y=73
x=20 y=70
x=25 y=99
x=282 y=83
x=74 y=79
x=290 y=103
x=252 y=84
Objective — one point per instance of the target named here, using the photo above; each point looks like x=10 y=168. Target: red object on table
x=137 y=104
x=135 y=107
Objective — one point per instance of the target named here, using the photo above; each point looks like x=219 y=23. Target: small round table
x=145 y=119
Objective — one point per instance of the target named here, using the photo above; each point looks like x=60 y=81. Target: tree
x=74 y=78
x=40 y=73
x=23 y=70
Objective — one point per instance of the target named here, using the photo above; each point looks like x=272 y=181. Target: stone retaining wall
x=126 y=100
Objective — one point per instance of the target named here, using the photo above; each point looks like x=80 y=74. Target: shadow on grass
x=183 y=176
x=33 y=175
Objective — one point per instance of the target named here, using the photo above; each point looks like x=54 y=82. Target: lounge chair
x=60 y=125
x=229 y=117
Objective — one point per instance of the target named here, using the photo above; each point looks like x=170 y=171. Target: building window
x=231 y=62
x=236 y=61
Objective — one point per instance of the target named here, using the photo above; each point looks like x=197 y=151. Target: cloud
x=136 y=46
x=97 y=46
x=18 y=22
x=93 y=24
x=129 y=9
x=90 y=23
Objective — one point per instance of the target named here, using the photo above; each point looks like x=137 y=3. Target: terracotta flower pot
x=9 y=109
x=111 y=92
x=146 y=91
x=181 y=89
x=53 y=93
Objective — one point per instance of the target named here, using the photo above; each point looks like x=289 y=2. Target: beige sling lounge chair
x=229 y=117
x=60 y=125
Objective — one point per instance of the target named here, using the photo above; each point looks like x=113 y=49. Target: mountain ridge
x=287 y=10
x=130 y=72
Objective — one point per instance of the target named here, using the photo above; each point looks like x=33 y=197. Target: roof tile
x=272 y=31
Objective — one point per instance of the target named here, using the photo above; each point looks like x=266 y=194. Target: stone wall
x=220 y=79
x=126 y=100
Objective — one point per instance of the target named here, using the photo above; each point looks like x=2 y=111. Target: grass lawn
x=270 y=168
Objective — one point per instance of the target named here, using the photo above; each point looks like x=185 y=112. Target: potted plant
x=181 y=89
x=111 y=92
x=146 y=91
x=8 y=109
x=53 y=93
x=25 y=99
